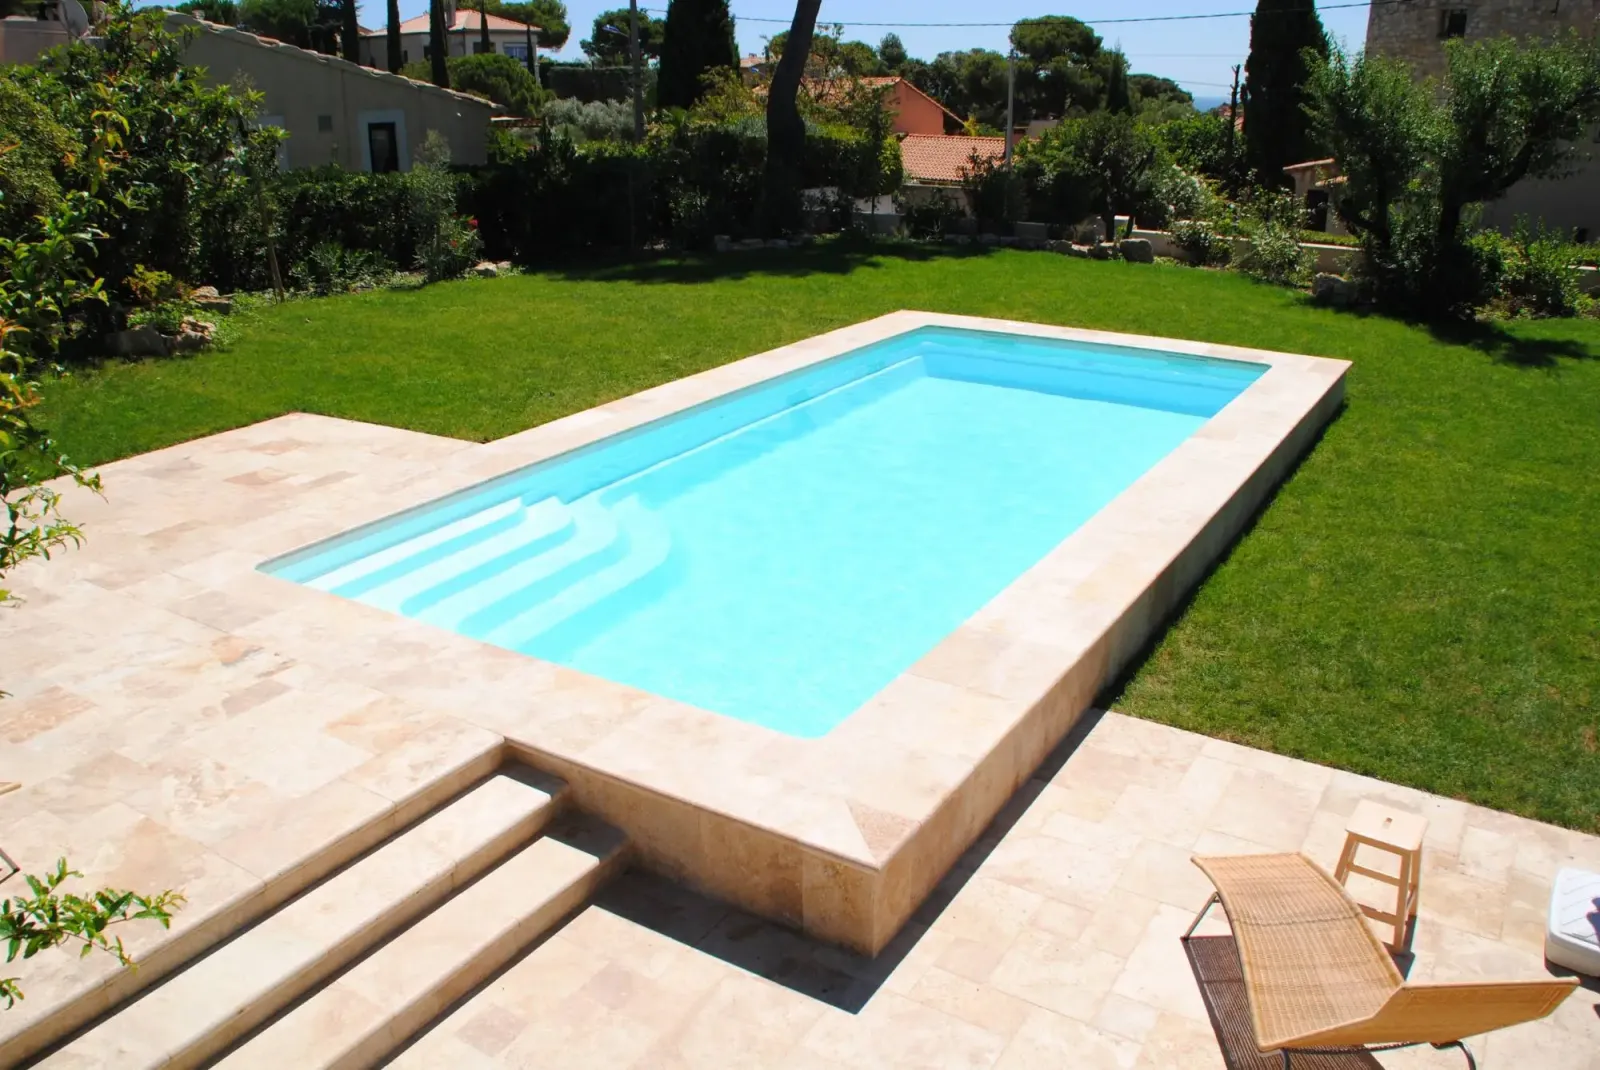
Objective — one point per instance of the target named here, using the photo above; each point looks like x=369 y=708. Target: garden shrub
x=1540 y=273
x=330 y=268
x=1203 y=244
x=600 y=120
x=932 y=216
x=447 y=243
x=1272 y=224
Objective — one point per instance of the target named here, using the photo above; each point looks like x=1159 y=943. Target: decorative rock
x=1059 y=246
x=200 y=292
x=221 y=306
x=1334 y=290
x=187 y=341
x=1079 y=251
x=1102 y=251
x=502 y=266
x=485 y=269
x=137 y=342
x=1137 y=250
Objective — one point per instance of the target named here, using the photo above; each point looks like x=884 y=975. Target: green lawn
x=1420 y=602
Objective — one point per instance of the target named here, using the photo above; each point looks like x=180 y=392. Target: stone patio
x=1054 y=944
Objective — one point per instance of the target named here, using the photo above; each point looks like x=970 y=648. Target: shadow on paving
x=1215 y=961
x=825 y=258
x=821 y=971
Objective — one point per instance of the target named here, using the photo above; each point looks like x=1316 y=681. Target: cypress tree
x=1118 y=100
x=697 y=38
x=1276 y=128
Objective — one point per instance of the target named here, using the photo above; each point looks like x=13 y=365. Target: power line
x=1006 y=25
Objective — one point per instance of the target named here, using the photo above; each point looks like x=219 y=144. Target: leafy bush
x=447 y=244
x=1276 y=255
x=1540 y=276
x=600 y=120
x=929 y=217
x=330 y=268
x=28 y=183
x=1201 y=241
x=494 y=76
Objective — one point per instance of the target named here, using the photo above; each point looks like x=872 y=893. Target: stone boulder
x=137 y=342
x=1102 y=251
x=1137 y=250
x=1334 y=290
x=484 y=269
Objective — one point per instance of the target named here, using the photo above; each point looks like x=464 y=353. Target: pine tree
x=1276 y=128
x=698 y=38
x=1118 y=99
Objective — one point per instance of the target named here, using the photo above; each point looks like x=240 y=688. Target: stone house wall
x=1416 y=30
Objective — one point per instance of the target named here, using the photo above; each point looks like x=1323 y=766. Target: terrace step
x=202 y=1009
x=379 y=1004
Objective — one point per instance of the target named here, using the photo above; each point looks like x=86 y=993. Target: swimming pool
x=782 y=553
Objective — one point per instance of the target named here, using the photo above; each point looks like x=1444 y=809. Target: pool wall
x=845 y=835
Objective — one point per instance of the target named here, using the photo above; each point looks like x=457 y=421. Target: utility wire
x=821 y=21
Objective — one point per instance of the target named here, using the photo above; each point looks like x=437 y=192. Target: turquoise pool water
x=781 y=554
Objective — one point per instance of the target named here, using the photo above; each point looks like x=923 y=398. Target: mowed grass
x=1420 y=601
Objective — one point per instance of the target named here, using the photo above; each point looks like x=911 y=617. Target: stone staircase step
x=211 y=1003
x=381 y=1002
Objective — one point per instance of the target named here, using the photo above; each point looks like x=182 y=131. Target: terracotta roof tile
x=947 y=157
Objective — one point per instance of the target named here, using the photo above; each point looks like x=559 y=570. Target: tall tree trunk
x=484 y=44
x=786 y=133
x=396 y=60
x=436 y=43
x=350 y=32
x=533 y=53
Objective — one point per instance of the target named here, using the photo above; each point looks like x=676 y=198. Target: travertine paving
x=1054 y=944
x=179 y=719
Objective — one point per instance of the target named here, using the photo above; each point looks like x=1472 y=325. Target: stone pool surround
x=844 y=836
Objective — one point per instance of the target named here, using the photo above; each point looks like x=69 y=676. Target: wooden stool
x=1399 y=834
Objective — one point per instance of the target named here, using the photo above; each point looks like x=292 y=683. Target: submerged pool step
x=648 y=546
x=208 y=1005
x=376 y=1006
x=594 y=533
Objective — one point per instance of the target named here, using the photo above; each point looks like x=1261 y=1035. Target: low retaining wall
x=1330 y=259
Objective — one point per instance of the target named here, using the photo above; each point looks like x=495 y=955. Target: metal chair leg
x=1198 y=918
x=1472 y=1064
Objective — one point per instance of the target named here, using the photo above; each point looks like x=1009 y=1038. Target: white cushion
x=1573 y=938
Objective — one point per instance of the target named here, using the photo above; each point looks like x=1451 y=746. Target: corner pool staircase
x=349 y=971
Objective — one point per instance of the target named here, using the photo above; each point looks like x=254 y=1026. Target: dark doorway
x=1317 y=209
x=383 y=146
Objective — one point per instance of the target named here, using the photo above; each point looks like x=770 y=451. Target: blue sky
x=1199 y=54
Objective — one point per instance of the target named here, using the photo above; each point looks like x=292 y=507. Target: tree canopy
x=607 y=43
x=698 y=40
x=549 y=15
x=1286 y=39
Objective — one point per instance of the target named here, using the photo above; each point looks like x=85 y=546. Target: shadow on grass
x=838 y=257
x=1509 y=348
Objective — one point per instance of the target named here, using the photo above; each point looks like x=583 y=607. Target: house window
x=383 y=147
x=1453 y=22
x=516 y=52
x=479 y=48
x=324 y=124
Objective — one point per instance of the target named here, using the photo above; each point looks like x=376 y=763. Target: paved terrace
x=173 y=726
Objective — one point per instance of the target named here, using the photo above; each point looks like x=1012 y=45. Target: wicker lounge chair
x=1319 y=981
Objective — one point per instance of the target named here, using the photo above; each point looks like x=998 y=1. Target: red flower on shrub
x=472 y=222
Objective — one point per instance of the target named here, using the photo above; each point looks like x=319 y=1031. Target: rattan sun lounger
x=1319 y=980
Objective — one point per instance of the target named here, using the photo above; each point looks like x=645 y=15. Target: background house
x=913 y=110
x=335 y=111
x=1417 y=31
x=463 y=37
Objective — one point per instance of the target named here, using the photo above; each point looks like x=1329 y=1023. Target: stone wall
x=1413 y=30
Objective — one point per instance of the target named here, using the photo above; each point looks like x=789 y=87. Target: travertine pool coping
x=843 y=836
